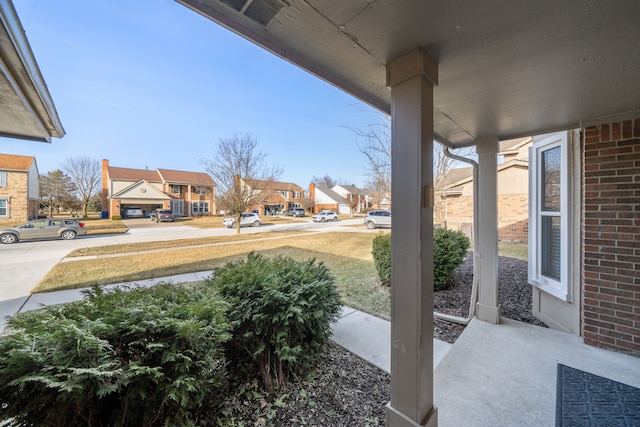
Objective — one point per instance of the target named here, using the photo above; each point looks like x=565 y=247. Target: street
x=24 y=264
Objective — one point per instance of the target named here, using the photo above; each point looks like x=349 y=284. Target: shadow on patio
x=494 y=375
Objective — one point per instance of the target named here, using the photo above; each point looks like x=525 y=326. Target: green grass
x=347 y=255
x=513 y=250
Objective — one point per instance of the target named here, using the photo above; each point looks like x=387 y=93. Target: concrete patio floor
x=505 y=375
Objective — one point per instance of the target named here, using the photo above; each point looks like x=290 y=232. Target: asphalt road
x=24 y=264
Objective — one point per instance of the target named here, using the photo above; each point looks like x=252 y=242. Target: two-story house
x=358 y=199
x=278 y=196
x=185 y=193
x=19 y=188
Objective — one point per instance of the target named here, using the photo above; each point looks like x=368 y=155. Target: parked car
x=246 y=219
x=325 y=216
x=379 y=218
x=160 y=215
x=294 y=212
x=133 y=212
x=43 y=229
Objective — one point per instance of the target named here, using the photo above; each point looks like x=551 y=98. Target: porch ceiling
x=509 y=69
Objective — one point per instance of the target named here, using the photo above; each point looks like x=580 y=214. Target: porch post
x=487 y=307
x=411 y=79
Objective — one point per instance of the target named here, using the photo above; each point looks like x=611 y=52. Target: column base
x=398 y=419
x=487 y=313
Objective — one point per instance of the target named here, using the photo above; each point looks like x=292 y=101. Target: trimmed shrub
x=140 y=357
x=280 y=314
x=115 y=217
x=382 y=257
x=449 y=249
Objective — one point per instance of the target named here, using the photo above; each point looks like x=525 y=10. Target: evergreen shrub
x=449 y=249
x=280 y=314
x=139 y=357
x=116 y=217
x=382 y=257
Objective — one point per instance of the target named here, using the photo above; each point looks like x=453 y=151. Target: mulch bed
x=347 y=391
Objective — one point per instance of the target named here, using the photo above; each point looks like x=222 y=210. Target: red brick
x=627 y=129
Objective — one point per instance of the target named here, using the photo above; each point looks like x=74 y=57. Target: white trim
x=560 y=289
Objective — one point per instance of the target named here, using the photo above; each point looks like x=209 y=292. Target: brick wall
x=456 y=213
x=611 y=236
x=18 y=189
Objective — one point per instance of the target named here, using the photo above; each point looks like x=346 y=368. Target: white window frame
x=296 y=194
x=7 y=208
x=560 y=289
x=175 y=189
x=3 y=178
x=200 y=208
x=199 y=191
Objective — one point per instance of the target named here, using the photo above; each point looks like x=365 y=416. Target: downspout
x=474 y=287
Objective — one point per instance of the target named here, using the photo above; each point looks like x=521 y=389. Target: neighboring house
x=358 y=199
x=454 y=202
x=324 y=198
x=19 y=188
x=278 y=196
x=185 y=193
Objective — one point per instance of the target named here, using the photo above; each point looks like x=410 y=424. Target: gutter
x=474 y=287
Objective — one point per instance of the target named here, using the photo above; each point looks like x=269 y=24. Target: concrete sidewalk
x=362 y=334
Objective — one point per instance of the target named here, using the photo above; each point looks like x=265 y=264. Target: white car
x=325 y=216
x=246 y=219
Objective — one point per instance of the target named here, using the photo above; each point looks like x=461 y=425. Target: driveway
x=24 y=264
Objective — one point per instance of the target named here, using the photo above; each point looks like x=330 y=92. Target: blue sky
x=149 y=83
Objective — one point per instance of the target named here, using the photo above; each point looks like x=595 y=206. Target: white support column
x=411 y=79
x=487 y=307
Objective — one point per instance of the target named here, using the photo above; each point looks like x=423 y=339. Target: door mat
x=584 y=399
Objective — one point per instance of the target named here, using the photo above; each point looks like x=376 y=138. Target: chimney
x=105 y=186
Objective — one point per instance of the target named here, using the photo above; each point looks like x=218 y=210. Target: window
x=199 y=190
x=175 y=189
x=283 y=193
x=549 y=214
x=296 y=194
x=200 y=208
x=4 y=207
x=3 y=178
x=177 y=207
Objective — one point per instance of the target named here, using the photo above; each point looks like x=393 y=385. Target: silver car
x=325 y=216
x=43 y=229
x=246 y=219
x=378 y=218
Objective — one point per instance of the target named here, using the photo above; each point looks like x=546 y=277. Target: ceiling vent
x=260 y=11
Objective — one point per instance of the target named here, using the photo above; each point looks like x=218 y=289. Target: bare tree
x=242 y=176
x=324 y=181
x=56 y=189
x=85 y=173
x=374 y=142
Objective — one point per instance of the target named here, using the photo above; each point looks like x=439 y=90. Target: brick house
x=454 y=202
x=472 y=76
x=277 y=196
x=185 y=193
x=19 y=188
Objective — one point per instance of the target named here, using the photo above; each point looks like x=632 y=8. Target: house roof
x=513 y=144
x=332 y=194
x=26 y=108
x=184 y=177
x=16 y=163
x=275 y=185
x=504 y=68
x=460 y=176
x=126 y=174
x=352 y=189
